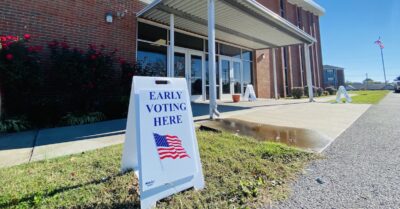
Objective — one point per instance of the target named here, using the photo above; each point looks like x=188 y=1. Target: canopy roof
x=242 y=22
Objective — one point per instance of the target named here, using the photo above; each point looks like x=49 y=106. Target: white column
x=301 y=67
x=171 y=51
x=274 y=71
x=308 y=70
x=211 y=59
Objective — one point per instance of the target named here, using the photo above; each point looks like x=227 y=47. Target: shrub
x=83 y=78
x=331 y=90
x=319 y=91
x=128 y=71
x=21 y=77
x=14 y=124
x=297 y=92
x=325 y=93
x=75 y=119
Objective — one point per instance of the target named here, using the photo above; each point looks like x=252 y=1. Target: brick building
x=333 y=76
x=264 y=42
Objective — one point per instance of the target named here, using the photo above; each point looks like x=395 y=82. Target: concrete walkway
x=30 y=146
x=361 y=168
x=24 y=147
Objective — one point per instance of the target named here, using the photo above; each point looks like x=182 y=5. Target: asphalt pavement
x=361 y=168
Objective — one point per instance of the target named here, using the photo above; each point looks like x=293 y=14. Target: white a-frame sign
x=160 y=144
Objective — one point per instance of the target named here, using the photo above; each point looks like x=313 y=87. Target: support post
x=171 y=52
x=308 y=70
x=274 y=71
x=211 y=59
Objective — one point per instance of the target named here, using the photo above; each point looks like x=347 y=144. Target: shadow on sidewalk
x=29 y=139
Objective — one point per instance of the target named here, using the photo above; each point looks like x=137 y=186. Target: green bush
x=14 y=125
x=331 y=90
x=77 y=87
x=74 y=119
x=325 y=93
x=297 y=92
x=319 y=92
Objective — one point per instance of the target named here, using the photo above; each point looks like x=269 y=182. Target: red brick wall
x=296 y=78
x=81 y=22
x=273 y=5
x=263 y=74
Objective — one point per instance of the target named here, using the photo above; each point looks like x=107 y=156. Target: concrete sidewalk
x=329 y=119
x=24 y=147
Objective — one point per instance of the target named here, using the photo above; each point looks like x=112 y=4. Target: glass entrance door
x=196 y=76
x=226 y=77
x=231 y=77
x=189 y=64
x=237 y=78
x=207 y=78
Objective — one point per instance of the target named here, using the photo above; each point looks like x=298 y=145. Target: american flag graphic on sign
x=169 y=147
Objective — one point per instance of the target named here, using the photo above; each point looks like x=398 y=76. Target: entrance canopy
x=243 y=22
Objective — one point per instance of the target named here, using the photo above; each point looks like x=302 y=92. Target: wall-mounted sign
x=342 y=92
x=160 y=144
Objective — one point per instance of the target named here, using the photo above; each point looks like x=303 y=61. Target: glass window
x=152 y=33
x=216 y=71
x=237 y=78
x=247 y=55
x=207 y=78
x=189 y=42
x=299 y=18
x=230 y=51
x=282 y=8
x=196 y=75
x=152 y=59
x=226 y=76
x=247 y=73
x=179 y=65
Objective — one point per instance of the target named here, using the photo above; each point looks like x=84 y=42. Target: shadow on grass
x=32 y=198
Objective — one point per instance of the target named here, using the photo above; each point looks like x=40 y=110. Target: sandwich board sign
x=250 y=94
x=160 y=141
x=342 y=91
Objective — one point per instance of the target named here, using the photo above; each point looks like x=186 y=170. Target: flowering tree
x=20 y=74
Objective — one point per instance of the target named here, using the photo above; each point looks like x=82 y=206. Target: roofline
x=317 y=9
x=277 y=19
x=147 y=8
x=332 y=66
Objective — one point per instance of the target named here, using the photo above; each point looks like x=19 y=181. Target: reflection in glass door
x=196 y=76
x=208 y=78
x=231 y=76
x=237 y=78
x=179 y=65
x=226 y=76
x=189 y=64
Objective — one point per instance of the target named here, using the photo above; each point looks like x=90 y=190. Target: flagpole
x=383 y=64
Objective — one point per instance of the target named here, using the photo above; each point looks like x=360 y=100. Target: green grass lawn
x=367 y=97
x=239 y=172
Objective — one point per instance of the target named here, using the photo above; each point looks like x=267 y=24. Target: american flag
x=169 y=147
x=379 y=43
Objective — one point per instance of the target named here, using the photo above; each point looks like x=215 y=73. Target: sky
x=349 y=29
